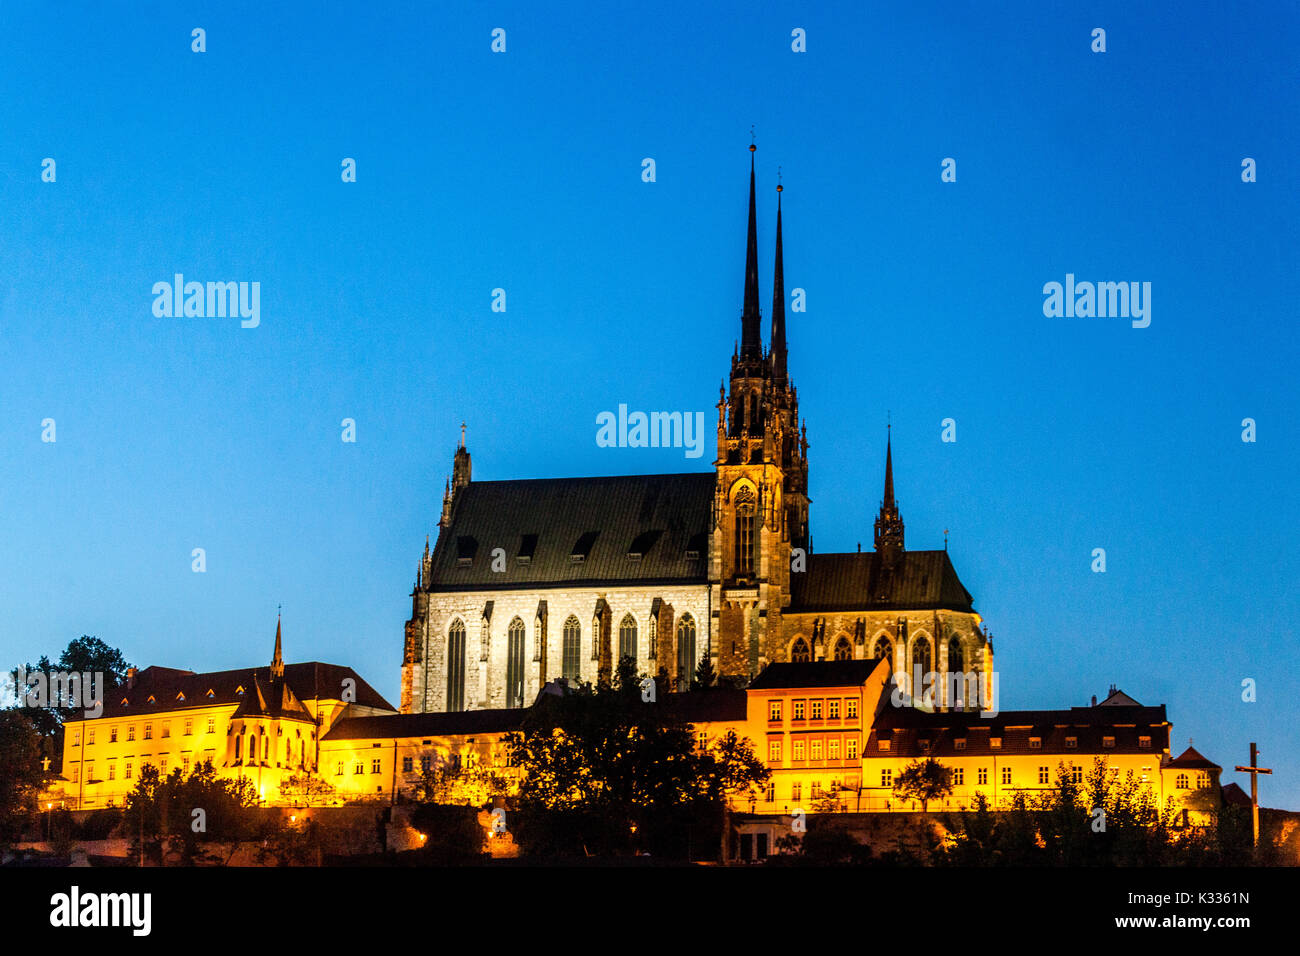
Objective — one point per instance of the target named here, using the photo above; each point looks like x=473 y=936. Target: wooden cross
x=45 y=764
x=1254 y=770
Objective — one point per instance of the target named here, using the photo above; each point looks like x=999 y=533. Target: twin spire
x=751 y=336
x=889 y=523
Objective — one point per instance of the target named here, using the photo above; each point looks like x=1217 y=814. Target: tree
x=705 y=676
x=457 y=782
x=89 y=655
x=924 y=780
x=739 y=773
x=21 y=777
x=305 y=789
x=184 y=815
x=291 y=843
x=1105 y=820
x=83 y=655
x=605 y=772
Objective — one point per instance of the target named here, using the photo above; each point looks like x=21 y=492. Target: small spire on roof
x=277 y=662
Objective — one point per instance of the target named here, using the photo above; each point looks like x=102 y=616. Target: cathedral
x=538 y=579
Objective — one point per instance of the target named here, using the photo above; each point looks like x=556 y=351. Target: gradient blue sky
x=522 y=171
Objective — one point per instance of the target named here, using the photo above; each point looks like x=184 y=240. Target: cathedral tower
x=760 y=507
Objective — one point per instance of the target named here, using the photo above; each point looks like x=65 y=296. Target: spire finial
x=462 y=433
x=945 y=539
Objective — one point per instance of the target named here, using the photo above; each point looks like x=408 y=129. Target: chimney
x=1111 y=692
x=1094 y=700
x=130 y=677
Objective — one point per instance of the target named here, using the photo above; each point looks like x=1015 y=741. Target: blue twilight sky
x=523 y=171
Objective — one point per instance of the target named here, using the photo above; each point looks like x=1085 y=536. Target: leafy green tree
x=924 y=780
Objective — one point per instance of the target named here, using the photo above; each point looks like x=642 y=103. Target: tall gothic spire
x=778 y=352
x=888 y=500
x=751 y=336
x=889 y=524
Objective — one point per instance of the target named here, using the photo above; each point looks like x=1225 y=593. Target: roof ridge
x=665 y=474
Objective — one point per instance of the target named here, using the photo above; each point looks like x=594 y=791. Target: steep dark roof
x=307 y=680
x=1234 y=796
x=919 y=581
x=814 y=674
x=1192 y=759
x=905 y=727
x=275 y=700
x=599 y=520
x=427 y=725
x=707 y=706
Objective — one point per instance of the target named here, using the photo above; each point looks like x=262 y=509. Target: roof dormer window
x=582 y=547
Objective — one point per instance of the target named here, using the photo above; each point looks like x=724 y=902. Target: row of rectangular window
x=995 y=743
x=128 y=769
x=814 y=749
x=148 y=732
x=814 y=708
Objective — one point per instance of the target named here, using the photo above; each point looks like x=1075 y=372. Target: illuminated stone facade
x=532 y=580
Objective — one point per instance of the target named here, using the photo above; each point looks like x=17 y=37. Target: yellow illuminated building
x=835 y=734
x=263 y=724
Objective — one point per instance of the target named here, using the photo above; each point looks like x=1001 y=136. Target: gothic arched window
x=746 y=509
x=884 y=651
x=572 y=646
x=921 y=656
x=685 y=651
x=627 y=638
x=956 y=660
x=456 y=666
x=799 y=652
x=843 y=652
x=515 y=664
